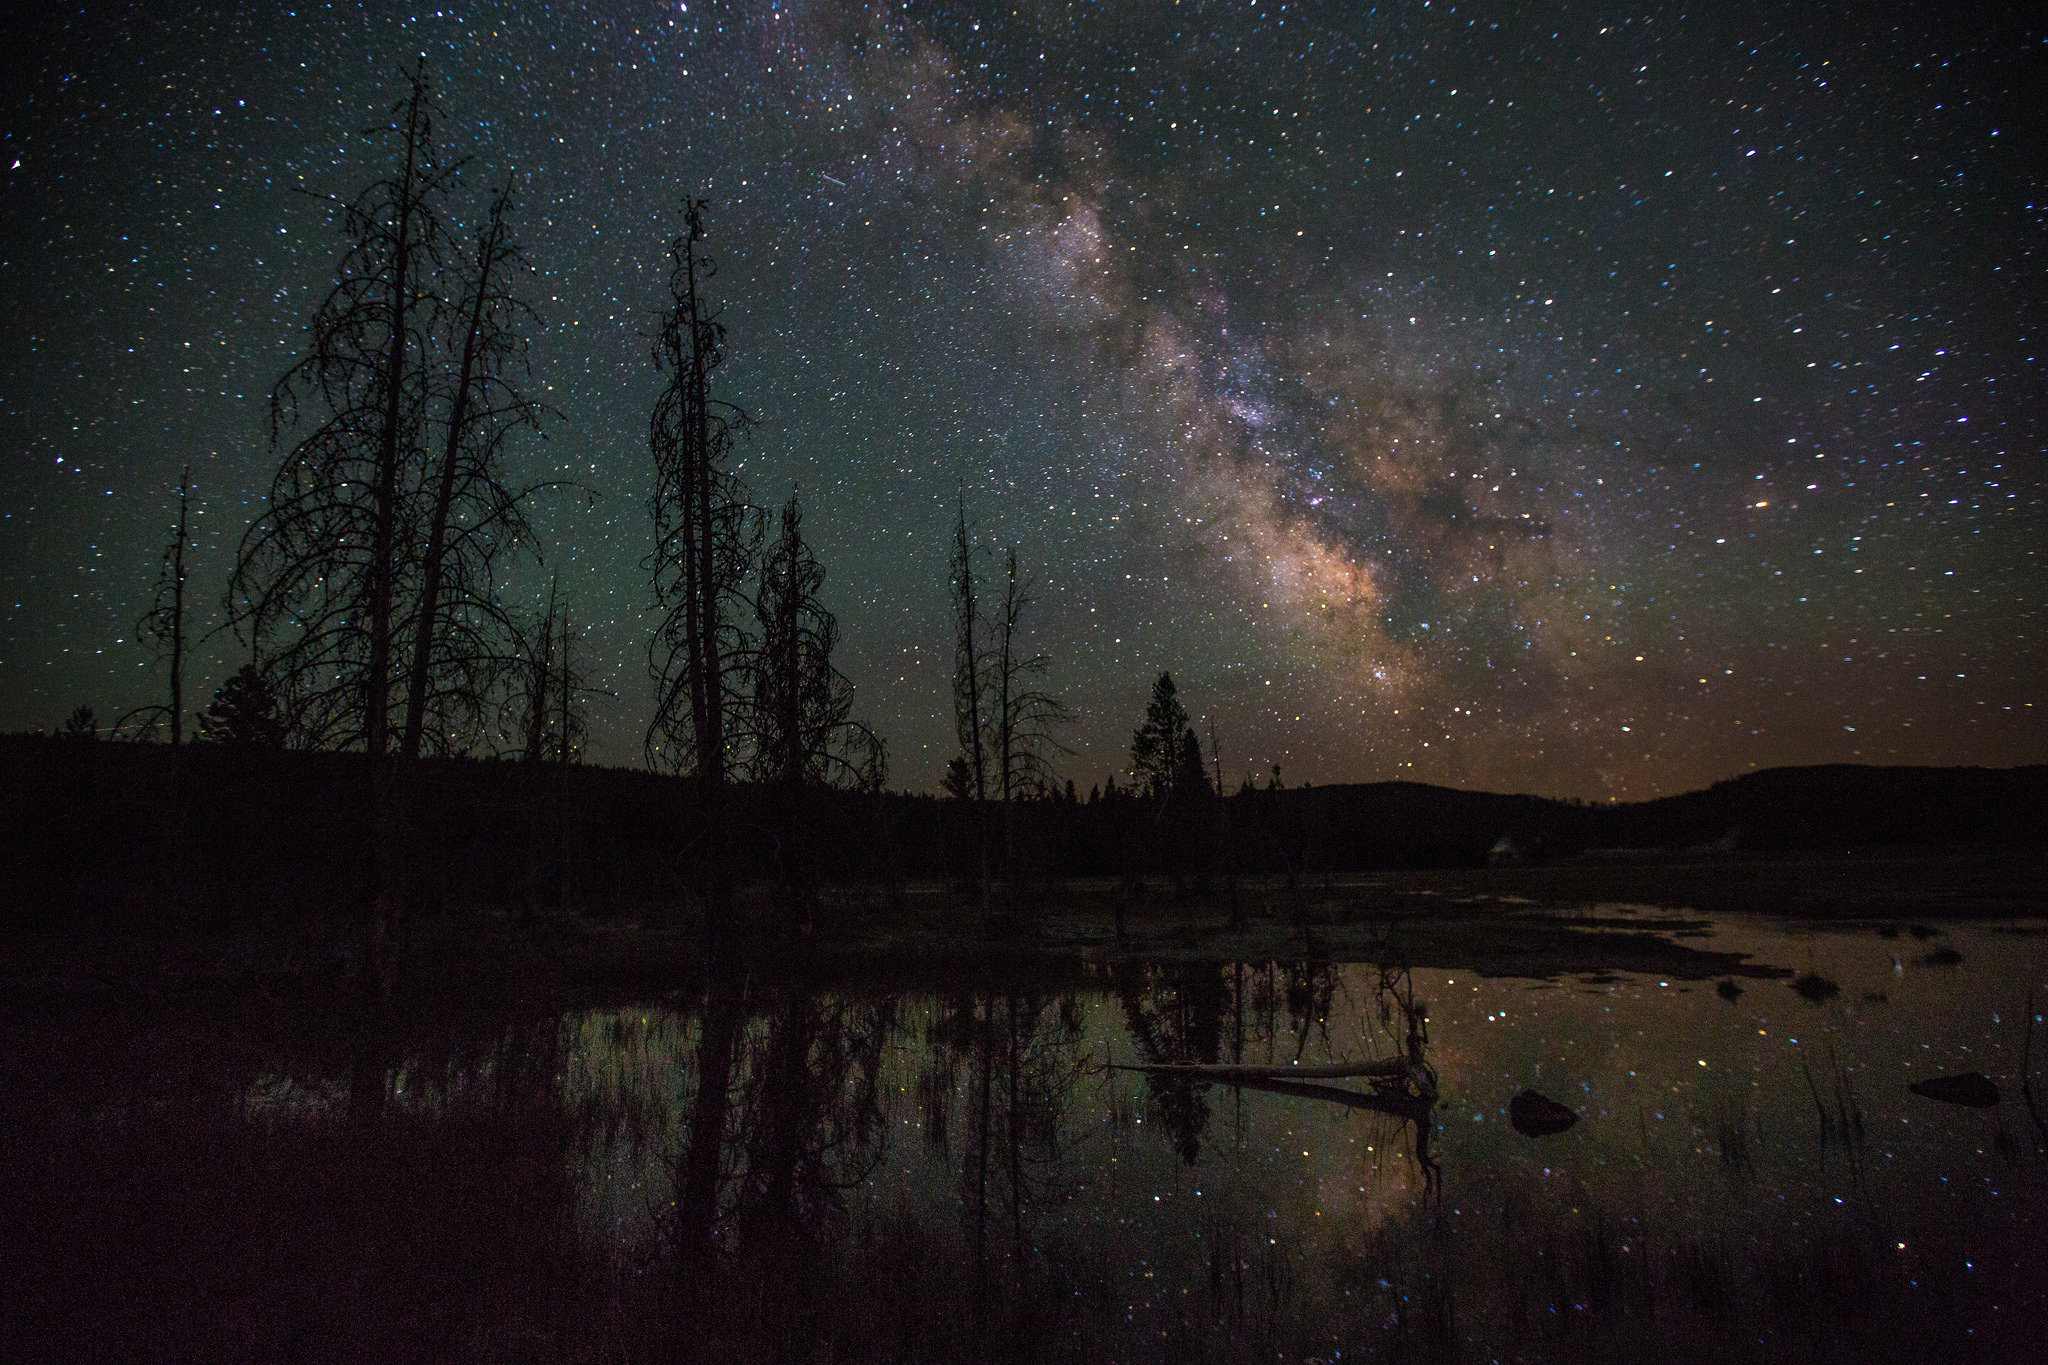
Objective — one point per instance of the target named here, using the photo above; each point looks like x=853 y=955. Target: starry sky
x=1589 y=399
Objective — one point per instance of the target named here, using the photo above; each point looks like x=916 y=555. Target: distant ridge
x=1829 y=806
x=1849 y=804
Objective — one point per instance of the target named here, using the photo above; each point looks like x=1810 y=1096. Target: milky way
x=1590 y=400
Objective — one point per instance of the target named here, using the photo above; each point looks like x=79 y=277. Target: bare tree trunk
x=986 y=1050
x=564 y=695
x=462 y=405
x=383 y=551
x=178 y=614
x=699 y=542
x=967 y=701
x=387 y=822
x=1006 y=732
x=540 y=682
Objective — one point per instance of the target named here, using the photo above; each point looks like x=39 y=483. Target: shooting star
x=835 y=180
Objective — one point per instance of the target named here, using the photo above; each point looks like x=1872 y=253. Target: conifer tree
x=1160 y=748
x=244 y=712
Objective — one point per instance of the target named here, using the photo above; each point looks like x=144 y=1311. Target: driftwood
x=1972 y=1088
x=1391 y=1068
x=1396 y=1102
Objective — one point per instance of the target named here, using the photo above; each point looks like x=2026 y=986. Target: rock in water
x=1972 y=1088
x=1538 y=1115
x=1815 y=987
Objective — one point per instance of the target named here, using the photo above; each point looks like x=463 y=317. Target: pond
x=1035 y=1165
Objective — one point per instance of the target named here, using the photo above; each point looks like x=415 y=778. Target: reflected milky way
x=1596 y=404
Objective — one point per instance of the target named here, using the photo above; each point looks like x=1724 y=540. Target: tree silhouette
x=799 y=713
x=371 y=570
x=552 y=687
x=705 y=533
x=969 y=660
x=459 y=627
x=704 y=542
x=1166 y=755
x=1161 y=747
x=958 y=782
x=244 y=711
x=318 y=579
x=798 y=726
x=1022 y=713
x=970 y=679
x=539 y=684
x=1002 y=714
x=163 y=627
x=82 y=724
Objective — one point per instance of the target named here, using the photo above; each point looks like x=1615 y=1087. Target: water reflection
x=1404 y=1086
x=1179 y=1159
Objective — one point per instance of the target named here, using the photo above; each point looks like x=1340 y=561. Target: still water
x=952 y=1172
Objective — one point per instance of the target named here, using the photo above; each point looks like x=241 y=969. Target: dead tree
x=704 y=540
x=163 y=628
x=367 y=586
x=554 y=688
x=539 y=684
x=1023 y=713
x=970 y=659
x=368 y=580
x=460 y=629
x=799 y=733
x=970 y=678
x=320 y=573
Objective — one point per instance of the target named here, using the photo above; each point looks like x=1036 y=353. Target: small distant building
x=1504 y=853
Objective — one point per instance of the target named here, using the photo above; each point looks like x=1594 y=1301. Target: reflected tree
x=697 y=1174
x=1018 y=1059
x=812 y=1125
x=1174 y=1013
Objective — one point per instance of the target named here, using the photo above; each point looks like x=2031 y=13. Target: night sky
x=1594 y=400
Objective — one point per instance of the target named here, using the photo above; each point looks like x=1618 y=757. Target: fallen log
x=1391 y=1068
x=1973 y=1089
x=1396 y=1102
